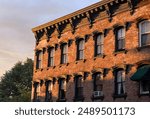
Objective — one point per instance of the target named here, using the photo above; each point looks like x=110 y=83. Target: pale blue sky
x=18 y=17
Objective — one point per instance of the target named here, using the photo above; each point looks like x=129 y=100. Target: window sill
x=78 y=99
x=63 y=64
x=61 y=100
x=80 y=60
x=97 y=98
x=120 y=51
x=40 y=69
x=51 y=67
x=144 y=94
x=143 y=47
x=99 y=56
x=120 y=96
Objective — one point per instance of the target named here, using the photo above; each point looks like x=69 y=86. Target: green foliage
x=15 y=85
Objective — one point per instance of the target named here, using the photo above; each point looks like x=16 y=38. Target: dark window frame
x=97 y=86
x=143 y=43
x=48 y=93
x=80 y=49
x=144 y=90
x=79 y=88
x=119 y=84
x=62 y=90
x=99 y=44
x=120 y=38
x=51 y=52
x=39 y=59
x=64 y=53
x=36 y=97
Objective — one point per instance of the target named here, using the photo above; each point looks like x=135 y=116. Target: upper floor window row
x=144 y=40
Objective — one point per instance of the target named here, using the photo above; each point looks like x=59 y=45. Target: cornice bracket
x=58 y=30
x=89 y=19
x=72 y=26
x=108 y=11
x=47 y=35
x=131 y=6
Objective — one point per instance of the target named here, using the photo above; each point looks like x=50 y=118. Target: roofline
x=81 y=11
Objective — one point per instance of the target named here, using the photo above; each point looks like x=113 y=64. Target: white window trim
x=140 y=33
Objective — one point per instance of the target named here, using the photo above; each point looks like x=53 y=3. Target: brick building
x=99 y=53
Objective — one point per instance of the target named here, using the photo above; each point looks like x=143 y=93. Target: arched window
x=144 y=29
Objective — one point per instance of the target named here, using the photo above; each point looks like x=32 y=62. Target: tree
x=15 y=85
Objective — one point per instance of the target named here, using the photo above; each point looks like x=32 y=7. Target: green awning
x=141 y=73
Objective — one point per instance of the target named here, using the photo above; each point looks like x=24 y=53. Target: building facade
x=99 y=53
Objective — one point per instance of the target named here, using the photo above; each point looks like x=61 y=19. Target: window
x=98 y=82
x=119 y=82
x=35 y=92
x=39 y=60
x=144 y=87
x=62 y=90
x=48 y=94
x=99 y=45
x=64 y=53
x=78 y=88
x=120 y=39
x=144 y=33
x=97 y=87
x=36 y=97
x=51 y=57
x=80 y=49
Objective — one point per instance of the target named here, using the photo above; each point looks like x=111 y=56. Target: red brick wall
x=110 y=60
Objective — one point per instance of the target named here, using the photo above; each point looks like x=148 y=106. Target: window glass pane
x=145 y=27
x=81 y=54
x=99 y=50
x=99 y=39
x=50 y=86
x=121 y=44
x=52 y=52
x=121 y=33
x=51 y=61
x=145 y=86
x=119 y=88
x=79 y=81
x=64 y=49
x=40 y=55
x=119 y=76
x=145 y=39
x=81 y=45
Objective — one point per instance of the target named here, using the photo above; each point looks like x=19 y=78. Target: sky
x=18 y=17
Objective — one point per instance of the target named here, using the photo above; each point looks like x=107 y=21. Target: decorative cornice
x=74 y=18
x=72 y=15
